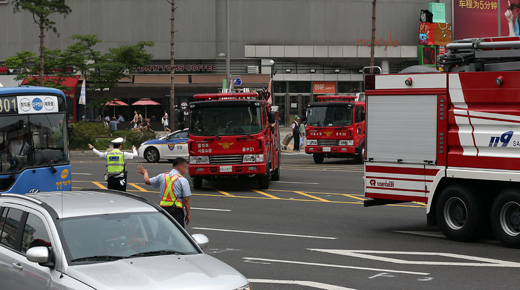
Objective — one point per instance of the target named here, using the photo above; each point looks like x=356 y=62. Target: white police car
x=168 y=147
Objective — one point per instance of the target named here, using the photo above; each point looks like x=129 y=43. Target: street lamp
x=228 y=53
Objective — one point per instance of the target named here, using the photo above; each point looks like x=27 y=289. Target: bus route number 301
x=8 y=105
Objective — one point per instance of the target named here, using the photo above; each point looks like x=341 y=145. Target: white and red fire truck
x=234 y=134
x=335 y=128
x=451 y=140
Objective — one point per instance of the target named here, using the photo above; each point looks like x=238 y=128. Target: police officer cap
x=118 y=141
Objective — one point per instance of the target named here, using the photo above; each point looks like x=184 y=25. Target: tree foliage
x=41 y=11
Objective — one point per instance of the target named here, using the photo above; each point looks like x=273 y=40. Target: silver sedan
x=102 y=240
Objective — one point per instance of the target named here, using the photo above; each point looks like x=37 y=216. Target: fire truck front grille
x=328 y=142
x=226 y=159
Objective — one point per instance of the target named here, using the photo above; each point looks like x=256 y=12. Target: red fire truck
x=451 y=140
x=336 y=128
x=234 y=134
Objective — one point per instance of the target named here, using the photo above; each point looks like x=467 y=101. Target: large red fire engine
x=335 y=128
x=451 y=140
x=234 y=134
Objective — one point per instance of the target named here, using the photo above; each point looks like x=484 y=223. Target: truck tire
x=505 y=218
x=318 y=158
x=197 y=182
x=360 y=158
x=459 y=212
x=152 y=155
x=264 y=179
x=276 y=174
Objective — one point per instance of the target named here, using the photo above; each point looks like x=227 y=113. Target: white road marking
x=301 y=283
x=381 y=275
x=294 y=182
x=423 y=233
x=372 y=255
x=78 y=173
x=336 y=266
x=210 y=209
x=265 y=233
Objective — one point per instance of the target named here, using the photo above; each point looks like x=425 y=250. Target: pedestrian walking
x=296 y=133
x=175 y=190
x=116 y=165
x=303 y=125
x=113 y=124
x=165 y=121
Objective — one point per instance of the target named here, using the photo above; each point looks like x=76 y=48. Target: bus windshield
x=329 y=116
x=32 y=141
x=222 y=121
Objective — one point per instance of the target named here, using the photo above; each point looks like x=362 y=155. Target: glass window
x=35 y=234
x=10 y=227
x=349 y=87
x=329 y=116
x=280 y=87
x=220 y=121
x=102 y=238
x=300 y=87
x=180 y=135
x=360 y=116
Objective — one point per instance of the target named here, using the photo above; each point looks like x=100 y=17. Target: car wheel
x=459 y=213
x=151 y=154
x=505 y=218
x=318 y=158
x=197 y=182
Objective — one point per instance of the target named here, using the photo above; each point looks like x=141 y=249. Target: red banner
x=479 y=19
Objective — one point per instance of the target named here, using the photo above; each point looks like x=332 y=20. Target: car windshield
x=99 y=238
x=218 y=121
x=32 y=140
x=329 y=116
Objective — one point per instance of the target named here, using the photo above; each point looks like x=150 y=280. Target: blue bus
x=34 y=143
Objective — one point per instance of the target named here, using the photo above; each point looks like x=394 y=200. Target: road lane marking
x=311 y=196
x=210 y=209
x=220 y=191
x=294 y=182
x=267 y=198
x=353 y=196
x=78 y=173
x=265 y=233
x=137 y=187
x=265 y=194
x=336 y=266
x=373 y=255
x=99 y=185
x=310 y=284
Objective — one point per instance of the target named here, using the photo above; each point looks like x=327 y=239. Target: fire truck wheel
x=264 y=179
x=151 y=155
x=361 y=153
x=276 y=174
x=505 y=218
x=197 y=182
x=318 y=158
x=459 y=213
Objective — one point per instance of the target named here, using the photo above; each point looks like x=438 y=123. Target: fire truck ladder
x=489 y=54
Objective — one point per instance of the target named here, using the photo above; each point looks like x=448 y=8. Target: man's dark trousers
x=176 y=213
x=115 y=183
x=296 y=135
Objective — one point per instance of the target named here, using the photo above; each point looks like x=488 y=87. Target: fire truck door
x=359 y=119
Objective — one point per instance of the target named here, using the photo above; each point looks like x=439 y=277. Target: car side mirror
x=201 y=240
x=40 y=255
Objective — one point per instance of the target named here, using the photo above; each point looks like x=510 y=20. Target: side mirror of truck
x=271 y=117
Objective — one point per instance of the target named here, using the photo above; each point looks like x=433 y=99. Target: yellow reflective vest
x=169 y=198
x=115 y=162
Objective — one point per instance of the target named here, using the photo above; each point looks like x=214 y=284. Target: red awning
x=145 y=102
x=70 y=82
x=116 y=103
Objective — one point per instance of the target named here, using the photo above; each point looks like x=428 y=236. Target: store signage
x=178 y=68
x=324 y=87
x=475 y=19
x=379 y=42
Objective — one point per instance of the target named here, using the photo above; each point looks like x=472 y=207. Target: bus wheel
x=197 y=182
x=318 y=158
x=151 y=155
x=459 y=213
x=505 y=218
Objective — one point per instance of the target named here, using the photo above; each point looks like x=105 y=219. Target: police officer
x=175 y=190
x=116 y=165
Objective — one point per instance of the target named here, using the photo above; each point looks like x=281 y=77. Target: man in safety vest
x=116 y=165
x=175 y=190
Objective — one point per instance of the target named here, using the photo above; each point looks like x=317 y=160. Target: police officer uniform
x=116 y=165
x=174 y=187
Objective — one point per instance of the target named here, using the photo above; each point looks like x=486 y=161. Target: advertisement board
x=479 y=19
x=324 y=87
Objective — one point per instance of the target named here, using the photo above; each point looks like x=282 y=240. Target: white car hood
x=190 y=272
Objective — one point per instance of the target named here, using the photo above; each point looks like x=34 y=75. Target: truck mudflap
x=379 y=201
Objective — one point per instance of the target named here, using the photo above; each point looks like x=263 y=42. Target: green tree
x=41 y=11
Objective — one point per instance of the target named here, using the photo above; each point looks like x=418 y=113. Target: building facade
x=318 y=46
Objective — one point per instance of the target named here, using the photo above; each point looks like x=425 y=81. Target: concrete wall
x=200 y=24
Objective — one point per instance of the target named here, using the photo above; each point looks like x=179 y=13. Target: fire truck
x=450 y=140
x=336 y=128
x=234 y=134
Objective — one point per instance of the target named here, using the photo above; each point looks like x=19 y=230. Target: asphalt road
x=311 y=231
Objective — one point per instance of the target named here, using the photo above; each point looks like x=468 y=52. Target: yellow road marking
x=311 y=196
x=266 y=194
x=137 y=187
x=354 y=197
x=220 y=191
x=99 y=185
x=268 y=198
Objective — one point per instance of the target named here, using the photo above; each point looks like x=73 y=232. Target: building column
x=385 y=67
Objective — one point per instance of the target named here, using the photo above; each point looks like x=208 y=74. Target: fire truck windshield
x=222 y=121
x=329 y=116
